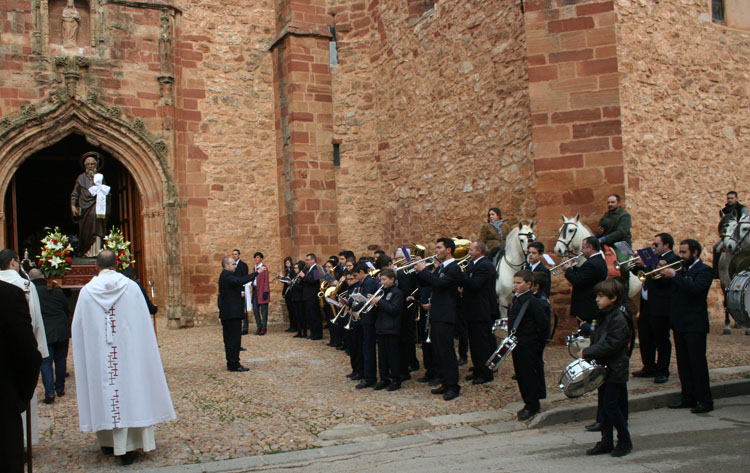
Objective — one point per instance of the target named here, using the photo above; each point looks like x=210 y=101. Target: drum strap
x=520 y=316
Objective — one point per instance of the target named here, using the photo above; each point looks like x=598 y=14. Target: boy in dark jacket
x=390 y=308
x=609 y=346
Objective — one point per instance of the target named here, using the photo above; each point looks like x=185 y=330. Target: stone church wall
x=433 y=116
x=685 y=92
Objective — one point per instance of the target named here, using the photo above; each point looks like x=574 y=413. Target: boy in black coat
x=390 y=308
x=609 y=346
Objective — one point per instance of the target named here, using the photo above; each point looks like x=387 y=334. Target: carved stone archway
x=33 y=130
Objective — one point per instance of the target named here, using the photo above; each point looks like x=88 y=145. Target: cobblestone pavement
x=295 y=391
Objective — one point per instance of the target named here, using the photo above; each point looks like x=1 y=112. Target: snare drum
x=500 y=329
x=738 y=298
x=581 y=377
x=502 y=352
x=576 y=342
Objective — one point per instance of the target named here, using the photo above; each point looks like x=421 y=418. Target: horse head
x=526 y=235
x=735 y=234
x=569 y=236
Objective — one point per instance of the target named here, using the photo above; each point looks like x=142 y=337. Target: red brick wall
x=575 y=106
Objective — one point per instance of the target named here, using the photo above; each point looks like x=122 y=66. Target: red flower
x=58 y=253
x=68 y=260
x=54 y=240
x=40 y=262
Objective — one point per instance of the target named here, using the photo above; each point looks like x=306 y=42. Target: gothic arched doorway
x=38 y=198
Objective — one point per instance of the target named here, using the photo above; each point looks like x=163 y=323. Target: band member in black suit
x=536 y=250
x=531 y=333
x=653 y=320
x=584 y=278
x=389 y=309
x=480 y=309
x=367 y=287
x=241 y=269
x=289 y=273
x=540 y=281
x=444 y=283
x=297 y=301
x=429 y=359
x=231 y=311
x=688 y=316
x=310 y=288
x=19 y=371
x=407 y=284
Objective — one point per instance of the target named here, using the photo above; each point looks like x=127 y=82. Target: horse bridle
x=563 y=231
x=737 y=231
x=530 y=239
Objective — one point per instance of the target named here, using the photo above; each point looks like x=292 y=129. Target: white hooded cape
x=120 y=380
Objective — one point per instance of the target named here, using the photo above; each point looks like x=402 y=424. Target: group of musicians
x=379 y=310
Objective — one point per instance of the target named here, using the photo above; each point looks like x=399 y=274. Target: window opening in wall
x=336 y=155
x=717 y=11
x=332 y=47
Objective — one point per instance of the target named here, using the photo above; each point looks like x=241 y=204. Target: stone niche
x=81 y=23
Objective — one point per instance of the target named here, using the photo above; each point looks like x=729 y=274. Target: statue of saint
x=89 y=203
x=70 y=22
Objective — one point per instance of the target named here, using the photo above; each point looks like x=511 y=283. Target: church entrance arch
x=25 y=138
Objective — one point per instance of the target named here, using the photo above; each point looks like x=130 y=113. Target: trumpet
x=408 y=267
x=627 y=265
x=367 y=307
x=657 y=273
x=558 y=268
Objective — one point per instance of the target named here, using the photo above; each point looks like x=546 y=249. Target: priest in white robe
x=9 y=267
x=120 y=382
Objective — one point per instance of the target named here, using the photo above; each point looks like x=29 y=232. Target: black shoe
x=290 y=330
x=382 y=385
x=107 y=450
x=595 y=427
x=643 y=374
x=127 y=459
x=600 y=448
x=316 y=338
x=405 y=377
x=61 y=393
x=435 y=382
x=469 y=377
x=356 y=377
x=393 y=387
x=525 y=414
x=682 y=405
x=514 y=378
x=702 y=407
x=365 y=384
x=440 y=390
x=243 y=349
x=244 y=332
x=341 y=347
x=49 y=400
x=480 y=380
x=424 y=379
x=330 y=344
x=299 y=335
x=350 y=375
x=414 y=366
x=661 y=379
x=239 y=369
x=462 y=361
x=450 y=395
x=622 y=449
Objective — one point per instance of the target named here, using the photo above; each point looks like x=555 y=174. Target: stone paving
x=297 y=397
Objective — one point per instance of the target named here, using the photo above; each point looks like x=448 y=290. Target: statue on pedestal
x=89 y=203
x=71 y=20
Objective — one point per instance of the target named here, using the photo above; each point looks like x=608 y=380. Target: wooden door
x=131 y=223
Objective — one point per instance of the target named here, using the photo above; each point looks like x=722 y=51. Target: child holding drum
x=609 y=346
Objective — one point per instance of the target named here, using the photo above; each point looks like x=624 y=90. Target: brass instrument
x=341 y=311
x=428 y=325
x=419 y=250
x=462 y=247
x=367 y=307
x=656 y=273
x=628 y=264
x=464 y=262
x=408 y=268
x=558 y=268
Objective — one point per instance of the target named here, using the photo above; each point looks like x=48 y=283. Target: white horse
x=736 y=234
x=569 y=242
x=516 y=250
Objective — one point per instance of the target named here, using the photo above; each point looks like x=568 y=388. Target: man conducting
x=120 y=382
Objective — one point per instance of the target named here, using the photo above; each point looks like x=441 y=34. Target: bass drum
x=581 y=377
x=738 y=298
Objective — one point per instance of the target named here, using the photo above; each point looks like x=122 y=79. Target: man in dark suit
x=241 y=269
x=480 y=309
x=444 y=283
x=536 y=250
x=310 y=288
x=688 y=316
x=19 y=371
x=653 y=321
x=232 y=310
x=584 y=278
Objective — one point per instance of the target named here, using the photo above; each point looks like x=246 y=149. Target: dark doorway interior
x=38 y=198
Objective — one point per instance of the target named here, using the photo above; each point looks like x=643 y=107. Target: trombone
x=657 y=273
x=558 y=268
x=464 y=262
